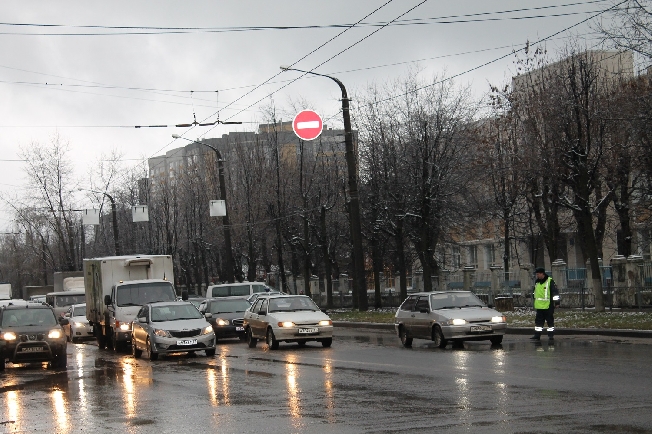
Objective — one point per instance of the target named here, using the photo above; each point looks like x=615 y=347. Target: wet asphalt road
x=365 y=383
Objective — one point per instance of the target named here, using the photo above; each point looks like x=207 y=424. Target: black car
x=226 y=316
x=31 y=333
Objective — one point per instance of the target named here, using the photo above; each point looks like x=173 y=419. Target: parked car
x=227 y=316
x=30 y=333
x=241 y=289
x=287 y=318
x=77 y=328
x=448 y=316
x=171 y=327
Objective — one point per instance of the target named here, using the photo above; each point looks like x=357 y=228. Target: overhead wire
x=149 y=30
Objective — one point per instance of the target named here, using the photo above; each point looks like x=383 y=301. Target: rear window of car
x=28 y=317
x=260 y=288
x=240 y=290
x=174 y=313
x=229 y=306
x=408 y=304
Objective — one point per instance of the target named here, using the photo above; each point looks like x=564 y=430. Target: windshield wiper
x=129 y=304
x=472 y=305
x=449 y=307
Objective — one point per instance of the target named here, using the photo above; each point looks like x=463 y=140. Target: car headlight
x=162 y=333
x=222 y=322
x=9 y=336
x=286 y=324
x=325 y=322
x=207 y=330
x=498 y=319
x=80 y=324
x=54 y=334
x=125 y=326
x=457 y=321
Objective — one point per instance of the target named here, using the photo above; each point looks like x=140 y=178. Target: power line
x=150 y=30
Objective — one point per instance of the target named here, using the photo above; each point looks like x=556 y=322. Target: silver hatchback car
x=448 y=316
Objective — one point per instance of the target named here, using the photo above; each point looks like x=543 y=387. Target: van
x=244 y=289
x=61 y=301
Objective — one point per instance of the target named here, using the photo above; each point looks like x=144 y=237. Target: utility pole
x=354 y=197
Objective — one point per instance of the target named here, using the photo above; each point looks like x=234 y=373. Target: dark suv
x=31 y=333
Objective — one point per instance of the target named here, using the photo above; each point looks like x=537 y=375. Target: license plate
x=308 y=331
x=31 y=349
x=187 y=342
x=481 y=328
x=239 y=329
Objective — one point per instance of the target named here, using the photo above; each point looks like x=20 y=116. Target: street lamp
x=114 y=215
x=230 y=277
x=354 y=198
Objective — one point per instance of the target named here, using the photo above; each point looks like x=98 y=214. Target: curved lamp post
x=354 y=197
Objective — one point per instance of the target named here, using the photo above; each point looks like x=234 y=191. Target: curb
x=516 y=330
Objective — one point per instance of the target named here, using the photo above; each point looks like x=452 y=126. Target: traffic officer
x=546 y=298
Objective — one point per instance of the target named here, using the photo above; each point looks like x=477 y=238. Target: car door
x=262 y=321
x=138 y=332
x=422 y=318
x=406 y=314
x=252 y=317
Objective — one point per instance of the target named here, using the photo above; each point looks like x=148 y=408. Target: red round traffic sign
x=307 y=125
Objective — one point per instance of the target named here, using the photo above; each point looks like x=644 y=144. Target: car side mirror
x=64 y=321
x=107 y=300
x=208 y=315
x=142 y=319
x=262 y=312
x=184 y=295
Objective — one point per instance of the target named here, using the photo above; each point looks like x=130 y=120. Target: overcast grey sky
x=110 y=77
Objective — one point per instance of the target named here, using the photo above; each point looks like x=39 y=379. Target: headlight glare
x=207 y=330
x=54 y=334
x=457 y=321
x=125 y=326
x=9 y=336
x=162 y=333
x=222 y=322
x=325 y=322
x=79 y=324
x=286 y=324
x=498 y=319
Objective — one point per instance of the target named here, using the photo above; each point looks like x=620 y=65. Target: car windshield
x=79 y=311
x=291 y=304
x=28 y=317
x=138 y=294
x=454 y=300
x=175 y=312
x=229 y=306
x=69 y=300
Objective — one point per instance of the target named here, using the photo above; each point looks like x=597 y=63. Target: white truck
x=117 y=287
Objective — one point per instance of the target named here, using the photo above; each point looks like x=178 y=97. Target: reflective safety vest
x=542 y=294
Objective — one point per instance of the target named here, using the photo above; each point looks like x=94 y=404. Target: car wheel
x=405 y=340
x=496 y=340
x=242 y=337
x=302 y=343
x=134 y=349
x=150 y=353
x=271 y=340
x=2 y=365
x=438 y=337
x=251 y=341
x=108 y=333
x=210 y=352
x=326 y=343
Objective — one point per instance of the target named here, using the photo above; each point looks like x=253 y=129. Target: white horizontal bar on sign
x=308 y=124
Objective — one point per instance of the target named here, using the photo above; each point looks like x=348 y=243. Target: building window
x=473 y=256
x=489 y=256
x=456 y=258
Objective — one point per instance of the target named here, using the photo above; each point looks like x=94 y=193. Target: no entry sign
x=307 y=125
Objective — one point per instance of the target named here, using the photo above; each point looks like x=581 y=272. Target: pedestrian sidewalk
x=518 y=330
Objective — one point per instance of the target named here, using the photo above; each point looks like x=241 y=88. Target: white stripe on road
x=308 y=124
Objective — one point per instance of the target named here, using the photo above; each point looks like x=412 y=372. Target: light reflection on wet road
x=365 y=383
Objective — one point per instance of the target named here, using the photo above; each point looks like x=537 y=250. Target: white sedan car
x=77 y=328
x=287 y=318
